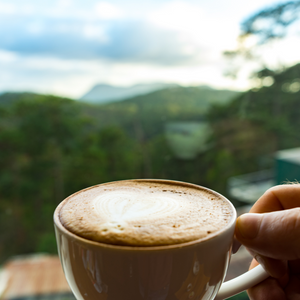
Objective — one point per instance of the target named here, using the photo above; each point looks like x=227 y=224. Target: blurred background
x=92 y=91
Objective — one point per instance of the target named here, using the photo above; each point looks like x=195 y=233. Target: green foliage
x=145 y=116
x=267 y=26
x=272 y=22
x=241 y=296
x=51 y=147
x=248 y=130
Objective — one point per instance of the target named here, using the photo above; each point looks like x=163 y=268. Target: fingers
x=278 y=198
x=292 y=290
x=275 y=268
x=271 y=232
x=282 y=281
x=275 y=235
x=287 y=287
x=269 y=289
x=294 y=267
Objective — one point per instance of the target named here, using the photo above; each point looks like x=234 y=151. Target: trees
x=51 y=147
x=249 y=130
x=258 y=32
x=49 y=150
x=272 y=22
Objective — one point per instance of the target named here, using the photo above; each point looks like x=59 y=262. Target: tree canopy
x=268 y=25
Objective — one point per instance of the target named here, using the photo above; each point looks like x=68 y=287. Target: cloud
x=179 y=15
x=98 y=30
x=7 y=8
x=120 y=40
x=141 y=42
x=107 y=11
x=70 y=77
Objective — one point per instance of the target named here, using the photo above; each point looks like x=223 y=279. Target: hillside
x=104 y=93
x=52 y=147
x=153 y=110
x=248 y=130
x=10 y=98
x=144 y=116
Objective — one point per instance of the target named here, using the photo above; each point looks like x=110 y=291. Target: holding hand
x=271 y=232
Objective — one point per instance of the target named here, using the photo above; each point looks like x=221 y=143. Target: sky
x=65 y=47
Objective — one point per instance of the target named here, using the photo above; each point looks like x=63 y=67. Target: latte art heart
x=145 y=213
x=128 y=206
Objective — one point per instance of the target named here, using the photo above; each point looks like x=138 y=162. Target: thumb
x=275 y=234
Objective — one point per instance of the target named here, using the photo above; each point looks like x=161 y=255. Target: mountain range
x=104 y=93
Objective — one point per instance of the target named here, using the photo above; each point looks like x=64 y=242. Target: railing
x=249 y=187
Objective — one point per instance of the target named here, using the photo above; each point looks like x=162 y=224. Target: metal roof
x=292 y=155
x=33 y=275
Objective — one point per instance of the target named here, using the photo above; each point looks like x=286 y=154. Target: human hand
x=271 y=233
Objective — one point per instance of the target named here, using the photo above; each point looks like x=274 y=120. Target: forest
x=51 y=147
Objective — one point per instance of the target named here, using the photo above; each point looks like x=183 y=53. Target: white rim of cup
x=73 y=236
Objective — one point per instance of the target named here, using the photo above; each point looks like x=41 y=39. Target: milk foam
x=145 y=213
x=128 y=206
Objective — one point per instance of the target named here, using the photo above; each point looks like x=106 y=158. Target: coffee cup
x=148 y=239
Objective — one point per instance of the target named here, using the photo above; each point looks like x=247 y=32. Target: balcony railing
x=249 y=187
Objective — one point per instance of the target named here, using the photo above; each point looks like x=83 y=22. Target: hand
x=271 y=233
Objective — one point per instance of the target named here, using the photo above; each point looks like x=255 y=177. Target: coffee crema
x=145 y=213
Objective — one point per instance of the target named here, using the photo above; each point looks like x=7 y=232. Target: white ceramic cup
x=192 y=270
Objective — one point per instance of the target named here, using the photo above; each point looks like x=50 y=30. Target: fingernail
x=248 y=225
x=260 y=260
x=235 y=246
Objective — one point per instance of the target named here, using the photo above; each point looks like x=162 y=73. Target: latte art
x=128 y=206
x=145 y=213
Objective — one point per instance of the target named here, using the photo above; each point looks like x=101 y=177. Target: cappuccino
x=145 y=213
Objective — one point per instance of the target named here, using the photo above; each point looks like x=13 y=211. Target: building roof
x=292 y=155
x=33 y=275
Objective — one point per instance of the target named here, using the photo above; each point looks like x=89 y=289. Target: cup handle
x=242 y=282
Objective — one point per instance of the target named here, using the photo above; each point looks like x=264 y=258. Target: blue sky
x=64 y=47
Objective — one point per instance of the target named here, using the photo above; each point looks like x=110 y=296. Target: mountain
x=153 y=110
x=104 y=93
